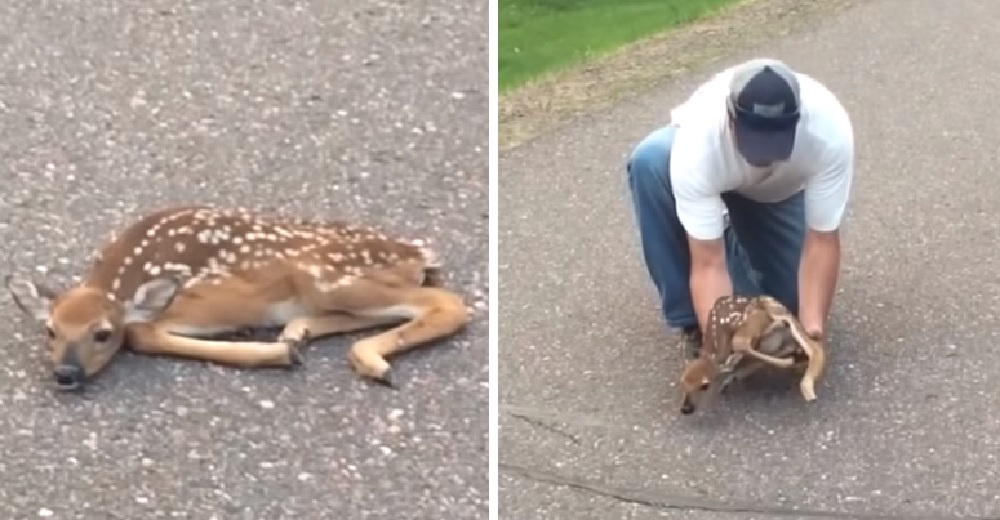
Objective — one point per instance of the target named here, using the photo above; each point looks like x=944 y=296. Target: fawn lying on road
x=180 y=275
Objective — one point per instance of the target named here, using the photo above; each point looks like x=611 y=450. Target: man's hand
x=818 y=271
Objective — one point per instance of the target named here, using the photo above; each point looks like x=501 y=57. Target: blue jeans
x=763 y=242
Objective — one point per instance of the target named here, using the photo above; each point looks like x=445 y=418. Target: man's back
x=704 y=161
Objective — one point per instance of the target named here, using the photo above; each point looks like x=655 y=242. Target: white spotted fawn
x=179 y=276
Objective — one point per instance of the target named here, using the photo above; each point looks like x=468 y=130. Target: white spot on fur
x=182 y=268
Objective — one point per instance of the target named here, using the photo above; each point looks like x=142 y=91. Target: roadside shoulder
x=530 y=110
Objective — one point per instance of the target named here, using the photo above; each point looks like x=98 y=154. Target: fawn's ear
x=697 y=375
x=33 y=298
x=151 y=299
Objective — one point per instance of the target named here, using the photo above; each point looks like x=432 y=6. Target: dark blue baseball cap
x=764 y=107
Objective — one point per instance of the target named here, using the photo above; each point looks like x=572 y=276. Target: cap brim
x=764 y=146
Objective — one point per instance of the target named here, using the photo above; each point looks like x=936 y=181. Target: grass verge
x=539 y=36
x=595 y=84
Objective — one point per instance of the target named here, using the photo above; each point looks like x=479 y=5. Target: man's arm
x=700 y=212
x=698 y=202
x=818 y=272
x=709 y=276
x=826 y=201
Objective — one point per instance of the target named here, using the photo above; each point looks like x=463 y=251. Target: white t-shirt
x=704 y=162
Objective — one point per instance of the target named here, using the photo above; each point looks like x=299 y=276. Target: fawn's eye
x=51 y=333
x=102 y=335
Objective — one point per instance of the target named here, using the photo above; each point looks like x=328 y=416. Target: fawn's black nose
x=68 y=377
x=687 y=406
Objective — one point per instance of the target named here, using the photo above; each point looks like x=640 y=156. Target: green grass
x=541 y=36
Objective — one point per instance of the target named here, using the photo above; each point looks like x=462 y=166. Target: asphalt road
x=368 y=109
x=906 y=422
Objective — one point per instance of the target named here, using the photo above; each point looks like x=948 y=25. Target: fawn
x=738 y=326
x=179 y=276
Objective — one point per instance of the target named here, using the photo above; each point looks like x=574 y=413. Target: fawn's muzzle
x=687 y=405
x=68 y=376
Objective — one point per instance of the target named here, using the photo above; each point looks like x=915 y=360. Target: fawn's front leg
x=154 y=340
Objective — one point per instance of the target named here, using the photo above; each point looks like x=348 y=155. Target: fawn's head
x=695 y=379
x=85 y=326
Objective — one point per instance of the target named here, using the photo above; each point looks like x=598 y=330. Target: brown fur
x=178 y=276
x=736 y=327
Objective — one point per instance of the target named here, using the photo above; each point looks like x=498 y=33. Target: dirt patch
x=535 y=107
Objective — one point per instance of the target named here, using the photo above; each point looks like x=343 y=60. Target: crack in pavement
x=575 y=439
x=576 y=419
x=544 y=418
x=690 y=503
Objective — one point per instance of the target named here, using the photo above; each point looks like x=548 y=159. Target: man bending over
x=775 y=150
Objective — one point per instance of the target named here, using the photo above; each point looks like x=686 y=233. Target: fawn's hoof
x=370 y=366
x=295 y=345
x=808 y=391
x=386 y=380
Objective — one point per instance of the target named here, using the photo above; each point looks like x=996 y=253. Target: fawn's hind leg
x=427 y=313
x=434 y=313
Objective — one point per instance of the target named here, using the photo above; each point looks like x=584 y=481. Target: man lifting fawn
x=774 y=148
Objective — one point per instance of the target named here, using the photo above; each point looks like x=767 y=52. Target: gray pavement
x=906 y=421
x=367 y=109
